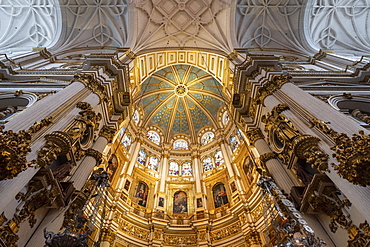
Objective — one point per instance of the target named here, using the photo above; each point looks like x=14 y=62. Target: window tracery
x=207 y=138
x=153 y=136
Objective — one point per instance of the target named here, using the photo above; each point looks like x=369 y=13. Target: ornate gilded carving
x=253 y=238
x=57 y=143
x=8 y=233
x=267 y=156
x=134 y=231
x=109 y=236
x=359 y=236
x=107 y=132
x=353 y=155
x=95 y=154
x=180 y=240
x=37 y=126
x=271 y=86
x=88 y=115
x=13 y=150
x=254 y=135
x=306 y=147
x=93 y=84
x=157 y=234
x=202 y=235
x=225 y=232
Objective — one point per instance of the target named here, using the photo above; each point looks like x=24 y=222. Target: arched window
x=219 y=159
x=141 y=157
x=153 y=136
x=180 y=144
x=219 y=195
x=141 y=194
x=225 y=118
x=136 y=117
x=207 y=138
x=234 y=143
x=174 y=169
x=207 y=164
x=180 y=203
x=126 y=141
x=153 y=163
x=186 y=169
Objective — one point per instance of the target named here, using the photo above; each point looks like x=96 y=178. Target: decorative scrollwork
x=57 y=143
x=359 y=236
x=353 y=155
x=107 y=132
x=13 y=150
x=306 y=147
x=36 y=127
x=95 y=154
x=267 y=156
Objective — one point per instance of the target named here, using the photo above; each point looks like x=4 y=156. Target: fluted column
x=197 y=173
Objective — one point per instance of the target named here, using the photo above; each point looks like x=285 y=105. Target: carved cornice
x=93 y=84
x=98 y=156
x=254 y=135
x=306 y=147
x=57 y=143
x=271 y=86
x=107 y=133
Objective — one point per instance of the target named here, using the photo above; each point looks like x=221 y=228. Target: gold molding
x=107 y=132
x=93 y=84
x=270 y=87
x=254 y=135
x=98 y=156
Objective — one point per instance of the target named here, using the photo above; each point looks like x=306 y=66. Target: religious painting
x=180 y=203
x=233 y=187
x=141 y=194
x=112 y=167
x=199 y=203
x=127 y=185
x=248 y=169
x=161 y=202
x=219 y=195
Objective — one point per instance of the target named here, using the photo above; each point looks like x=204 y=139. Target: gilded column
x=227 y=156
x=132 y=163
x=164 y=172
x=197 y=172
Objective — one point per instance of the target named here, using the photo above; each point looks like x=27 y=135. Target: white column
x=197 y=174
x=87 y=164
x=226 y=156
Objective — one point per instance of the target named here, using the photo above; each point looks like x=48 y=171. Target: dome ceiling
x=180 y=99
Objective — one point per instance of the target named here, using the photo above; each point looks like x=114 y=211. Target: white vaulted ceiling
x=219 y=25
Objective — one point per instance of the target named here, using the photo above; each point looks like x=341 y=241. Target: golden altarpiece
x=184 y=114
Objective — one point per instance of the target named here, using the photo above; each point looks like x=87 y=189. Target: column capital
x=93 y=84
x=267 y=156
x=95 y=154
x=271 y=86
x=254 y=135
x=107 y=132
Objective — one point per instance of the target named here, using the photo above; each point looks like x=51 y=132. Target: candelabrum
x=75 y=234
x=296 y=230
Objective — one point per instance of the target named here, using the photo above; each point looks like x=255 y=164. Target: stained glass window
x=141 y=158
x=186 y=169
x=180 y=145
x=136 y=117
x=207 y=164
x=153 y=163
x=225 y=117
x=219 y=159
x=126 y=141
x=234 y=143
x=207 y=138
x=174 y=169
x=153 y=136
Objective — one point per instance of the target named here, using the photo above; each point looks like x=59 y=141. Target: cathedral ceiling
x=222 y=25
x=180 y=99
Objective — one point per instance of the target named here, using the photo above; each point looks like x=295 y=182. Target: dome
x=181 y=99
